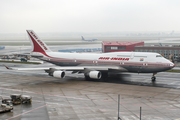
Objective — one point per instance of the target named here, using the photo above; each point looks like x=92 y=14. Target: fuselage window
x=158 y=56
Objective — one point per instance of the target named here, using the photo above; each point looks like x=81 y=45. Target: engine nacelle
x=58 y=74
x=95 y=74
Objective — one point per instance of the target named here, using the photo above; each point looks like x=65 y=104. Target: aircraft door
x=95 y=62
x=145 y=64
x=132 y=55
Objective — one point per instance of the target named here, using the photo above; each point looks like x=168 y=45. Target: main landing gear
x=153 y=78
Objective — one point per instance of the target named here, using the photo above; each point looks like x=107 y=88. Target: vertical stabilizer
x=37 y=44
x=82 y=38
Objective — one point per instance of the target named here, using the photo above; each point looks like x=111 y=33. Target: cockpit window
x=158 y=56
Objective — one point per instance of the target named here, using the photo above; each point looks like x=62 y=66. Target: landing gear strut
x=153 y=78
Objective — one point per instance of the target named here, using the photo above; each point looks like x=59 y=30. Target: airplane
x=90 y=40
x=96 y=65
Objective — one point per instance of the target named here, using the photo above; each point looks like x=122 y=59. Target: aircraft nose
x=172 y=65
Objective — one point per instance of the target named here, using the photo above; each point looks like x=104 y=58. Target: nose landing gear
x=153 y=78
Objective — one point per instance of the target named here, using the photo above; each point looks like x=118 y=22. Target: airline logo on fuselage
x=39 y=41
x=113 y=58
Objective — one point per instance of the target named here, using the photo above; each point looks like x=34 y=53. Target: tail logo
x=41 y=43
x=34 y=35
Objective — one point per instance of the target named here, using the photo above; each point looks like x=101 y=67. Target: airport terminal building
x=138 y=46
x=116 y=46
x=166 y=51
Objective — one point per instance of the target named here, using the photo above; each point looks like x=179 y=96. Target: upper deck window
x=158 y=56
x=141 y=56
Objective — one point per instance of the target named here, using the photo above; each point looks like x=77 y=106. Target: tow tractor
x=16 y=99
x=6 y=107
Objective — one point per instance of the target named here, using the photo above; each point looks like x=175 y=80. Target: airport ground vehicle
x=5 y=101
x=18 y=99
x=26 y=99
x=6 y=107
x=23 y=60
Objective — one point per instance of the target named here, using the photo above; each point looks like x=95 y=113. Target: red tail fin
x=37 y=44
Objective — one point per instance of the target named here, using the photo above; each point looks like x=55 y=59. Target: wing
x=94 y=72
x=75 y=68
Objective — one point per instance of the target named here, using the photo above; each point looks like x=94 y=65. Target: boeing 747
x=96 y=65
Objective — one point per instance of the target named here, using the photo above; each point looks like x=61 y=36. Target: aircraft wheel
x=153 y=79
x=104 y=77
x=87 y=77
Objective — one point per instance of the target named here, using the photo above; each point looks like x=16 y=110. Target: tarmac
x=74 y=98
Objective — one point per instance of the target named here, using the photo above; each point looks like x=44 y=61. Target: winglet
x=7 y=67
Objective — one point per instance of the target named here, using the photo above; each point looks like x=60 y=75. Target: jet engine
x=58 y=74
x=95 y=74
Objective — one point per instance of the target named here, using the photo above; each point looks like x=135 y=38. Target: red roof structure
x=116 y=46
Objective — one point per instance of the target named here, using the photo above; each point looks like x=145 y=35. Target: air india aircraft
x=96 y=65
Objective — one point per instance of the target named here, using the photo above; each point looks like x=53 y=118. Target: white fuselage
x=132 y=61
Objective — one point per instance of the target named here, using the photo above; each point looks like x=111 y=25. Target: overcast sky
x=89 y=15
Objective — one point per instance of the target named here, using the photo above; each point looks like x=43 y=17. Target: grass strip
x=173 y=70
